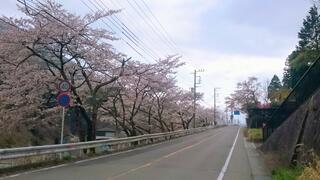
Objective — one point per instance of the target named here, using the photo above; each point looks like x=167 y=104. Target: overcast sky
x=230 y=39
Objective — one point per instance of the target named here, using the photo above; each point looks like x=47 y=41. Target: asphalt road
x=199 y=156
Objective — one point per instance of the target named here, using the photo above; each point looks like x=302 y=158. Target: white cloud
x=181 y=17
x=225 y=70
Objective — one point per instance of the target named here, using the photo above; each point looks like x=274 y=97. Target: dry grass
x=311 y=172
x=14 y=138
x=300 y=172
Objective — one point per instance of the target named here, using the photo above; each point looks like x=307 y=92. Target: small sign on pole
x=62 y=125
x=64 y=86
x=64 y=99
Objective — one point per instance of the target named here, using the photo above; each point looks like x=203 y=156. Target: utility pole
x=194 y=97
x=195 y=94
x=215 y=104
x=226 y=120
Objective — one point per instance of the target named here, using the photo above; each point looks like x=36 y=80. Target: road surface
x=199 y=156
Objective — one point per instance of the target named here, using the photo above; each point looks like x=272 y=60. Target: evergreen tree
x=274 y=88
x=310 y=31
x=287 y=79
x=306 y=51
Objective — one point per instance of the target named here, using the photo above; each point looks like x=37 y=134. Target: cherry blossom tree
x=185 y=107
x=51 y=44
x=138 y=94
x=246 y=95
x=68 y=47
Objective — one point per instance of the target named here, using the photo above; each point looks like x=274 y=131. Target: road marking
x=161 y=158
x=39 y=170
x=225 y=166
x=82 y=161
x=90 y=159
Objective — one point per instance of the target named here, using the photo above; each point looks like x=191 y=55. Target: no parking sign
x=64 y=99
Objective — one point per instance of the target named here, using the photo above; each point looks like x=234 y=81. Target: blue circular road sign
x=64 y=100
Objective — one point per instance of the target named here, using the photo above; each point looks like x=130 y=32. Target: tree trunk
x=149 y=119
x=89 y=125
x=94 y=118
x=92 y=133
x=171 y=124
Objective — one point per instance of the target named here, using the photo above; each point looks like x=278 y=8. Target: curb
x=259 y=171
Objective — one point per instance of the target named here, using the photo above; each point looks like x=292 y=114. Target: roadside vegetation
x=309 y=172
x=253 y=134
x=287 y=173
x=307 y=50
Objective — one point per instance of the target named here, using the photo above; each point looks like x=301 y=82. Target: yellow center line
x=161 y=158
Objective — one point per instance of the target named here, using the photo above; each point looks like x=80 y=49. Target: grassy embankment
x=309 y=172
x=253 y=134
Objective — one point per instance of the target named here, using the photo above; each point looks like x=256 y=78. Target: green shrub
x=255 y=134
x=287 y=173
x=67 y=157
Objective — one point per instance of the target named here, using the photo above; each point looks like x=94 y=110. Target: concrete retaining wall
x=284 y=140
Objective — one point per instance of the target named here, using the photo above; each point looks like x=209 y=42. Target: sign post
x=62 y=126
x=64 y=101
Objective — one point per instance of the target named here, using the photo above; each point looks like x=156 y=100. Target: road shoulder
x=239 y=167
x=259 y=170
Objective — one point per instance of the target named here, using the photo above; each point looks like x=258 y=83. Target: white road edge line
x=225 y=166
x=161 y=158
x=81 y=161
x=90 y=159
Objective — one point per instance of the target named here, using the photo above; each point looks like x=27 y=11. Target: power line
x=113 y=31
x=162 y=27
x=163 y=31
x=126 y=36
x=129 y=18
x=153 y=25
x=127 y=32
x=145 y=20
x=134 y=35
x=125 y=15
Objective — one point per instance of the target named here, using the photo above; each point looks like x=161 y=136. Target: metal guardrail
x=99 y=145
